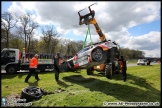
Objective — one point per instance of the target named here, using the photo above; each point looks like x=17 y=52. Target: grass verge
x=79 y=89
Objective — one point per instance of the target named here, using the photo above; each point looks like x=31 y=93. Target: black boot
x=36 y=77
x=124 y=78
x=56 y=77
x=26 y=79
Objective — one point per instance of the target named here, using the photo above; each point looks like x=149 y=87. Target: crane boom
x=89 y=19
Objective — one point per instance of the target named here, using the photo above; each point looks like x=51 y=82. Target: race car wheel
x=90 y=71
x=97 y=55
x=31 y=93
x=108 y=71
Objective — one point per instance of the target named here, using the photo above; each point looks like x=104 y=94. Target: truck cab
x=11 y=61
x=9 y=55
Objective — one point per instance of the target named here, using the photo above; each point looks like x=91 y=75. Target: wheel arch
x=95 y=49
x=12 y=65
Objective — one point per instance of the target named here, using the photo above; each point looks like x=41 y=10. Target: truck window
x=10 y=54
x=3 y=53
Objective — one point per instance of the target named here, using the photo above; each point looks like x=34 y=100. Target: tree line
x=49 y=43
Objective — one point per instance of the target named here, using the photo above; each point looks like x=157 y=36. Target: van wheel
x=11 y=70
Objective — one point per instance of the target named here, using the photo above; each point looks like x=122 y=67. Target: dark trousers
x=124 y=74
x=57 y=72
x=32 y=71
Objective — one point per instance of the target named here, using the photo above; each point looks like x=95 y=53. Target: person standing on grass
x=57 y=62
x=123 y=65
x=32 y=68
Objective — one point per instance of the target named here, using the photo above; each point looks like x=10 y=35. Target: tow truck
x=11 y=61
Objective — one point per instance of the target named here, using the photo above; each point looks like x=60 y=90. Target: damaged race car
x=90 y=56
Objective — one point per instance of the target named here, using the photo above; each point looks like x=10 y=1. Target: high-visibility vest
x=33 y=63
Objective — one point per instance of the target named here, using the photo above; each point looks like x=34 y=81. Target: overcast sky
x=133 y=25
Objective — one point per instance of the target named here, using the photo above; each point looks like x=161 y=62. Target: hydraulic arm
x=89 y=19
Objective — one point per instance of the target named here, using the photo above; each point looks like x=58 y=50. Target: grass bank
x=79 y=89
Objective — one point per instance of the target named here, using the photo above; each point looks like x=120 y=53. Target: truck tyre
x=118 y=68
x=113 y=52
x=31 y=93
x=41 y=70
x=97 y=54
x=64 y=67
x=113 y=67
x=108 y=71
x=90 y=71
x=11 y=70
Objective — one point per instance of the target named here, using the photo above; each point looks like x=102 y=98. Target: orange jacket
x=33 y=63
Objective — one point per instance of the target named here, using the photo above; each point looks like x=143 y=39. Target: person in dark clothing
x=57 y=61
x=123 y=65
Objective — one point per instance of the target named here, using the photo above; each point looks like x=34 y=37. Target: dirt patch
x=13 y=96
x=12 y=99
x=59 y=90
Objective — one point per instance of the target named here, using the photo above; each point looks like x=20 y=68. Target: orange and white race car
x=95 y=54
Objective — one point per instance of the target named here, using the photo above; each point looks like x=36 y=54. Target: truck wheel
x=118 y=69
x=31 y=93
x=90 y=71
x=113 y=67
x=11 y=70
x=64 y=67
x=113 y=52
x=97 y=54
x=42 y=70
x=108 y=71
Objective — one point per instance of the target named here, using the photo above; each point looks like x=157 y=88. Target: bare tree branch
x=50 y=37
x=28 y=25
x=8 y=21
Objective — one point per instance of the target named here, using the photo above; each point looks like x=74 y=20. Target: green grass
x=132 y=60
x=79 y=89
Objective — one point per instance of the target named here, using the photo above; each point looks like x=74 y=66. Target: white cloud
x=17 y=9
x=114 y=19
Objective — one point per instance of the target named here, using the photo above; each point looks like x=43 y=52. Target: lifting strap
x=88 y=31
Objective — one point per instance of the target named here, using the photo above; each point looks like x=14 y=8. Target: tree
x=50 y=38
x=34 y=46
x=16 y=42
x=28 y=25
x=3 y=38
x=8 y=21
x=54 y=44
x=131 y=53
x=72 y=47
